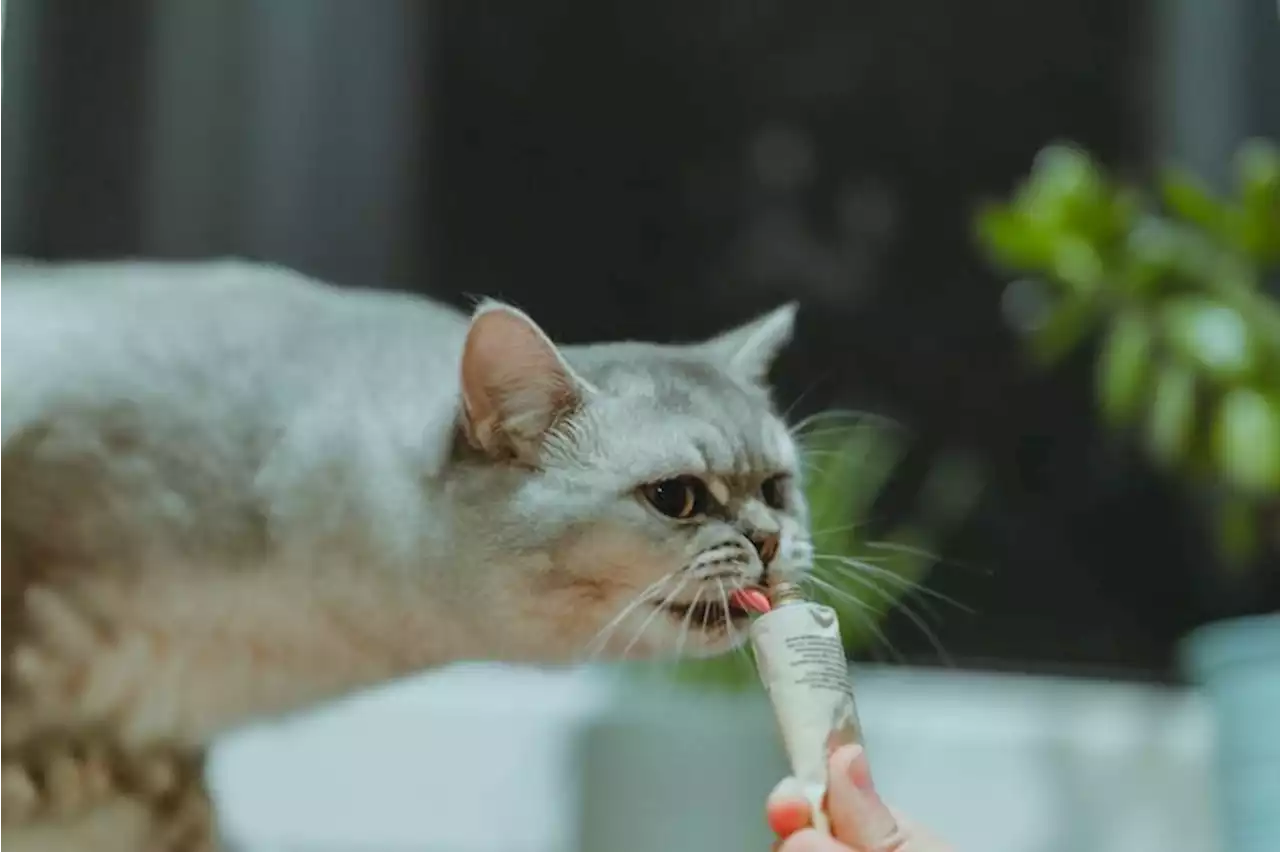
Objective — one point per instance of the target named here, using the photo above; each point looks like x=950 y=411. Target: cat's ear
x=749 y=351
x=515 y=384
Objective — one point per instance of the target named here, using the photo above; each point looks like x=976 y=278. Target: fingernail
x=859 y=771
x=790 y=788
x=875 y=821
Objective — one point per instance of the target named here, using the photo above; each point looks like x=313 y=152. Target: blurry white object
x=463 y=760
x=497 y=758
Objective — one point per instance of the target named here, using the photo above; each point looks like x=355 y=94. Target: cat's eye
x=774 y=491
x=682 y=497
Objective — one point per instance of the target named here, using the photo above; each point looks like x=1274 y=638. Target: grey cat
x=231 y=491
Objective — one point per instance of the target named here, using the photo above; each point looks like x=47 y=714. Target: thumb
x=858 y=816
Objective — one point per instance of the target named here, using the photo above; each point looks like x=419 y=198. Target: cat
x=231 y=491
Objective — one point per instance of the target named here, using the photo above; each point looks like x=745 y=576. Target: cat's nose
x=766 y=544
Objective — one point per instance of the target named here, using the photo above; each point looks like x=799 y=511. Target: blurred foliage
x=1170 y=299
x=848 y=461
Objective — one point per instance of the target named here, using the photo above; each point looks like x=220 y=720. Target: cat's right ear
x=749 y=351
x=516 y=385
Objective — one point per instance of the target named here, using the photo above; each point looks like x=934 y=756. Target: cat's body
x=194 y=435
x=230 y=491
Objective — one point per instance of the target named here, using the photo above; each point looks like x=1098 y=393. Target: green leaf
x=1067 y=324
x=1066 y=189
x=1246 y=441
x=1065 y=170
x=1124 y=212
x=1183 y=297
x=1258 y=169
x=1211 y=336
x=1188 y=198
x=1124 y=367
x=1171 y=420
x=893 y=569
x=874 y=581
x=1258 y=175
x=1151 y=254
x=1237 y=529
x=846 y=467
x=950 y=492
x=734 y=672
x=1077 y=264
x=1200 y=256
x=1013 y=240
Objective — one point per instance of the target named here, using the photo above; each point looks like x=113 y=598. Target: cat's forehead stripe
x=693 y=417
x=732 y=451
x=717 y=451
x=739 y=437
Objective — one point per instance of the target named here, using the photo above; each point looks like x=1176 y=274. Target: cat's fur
x=231 y=491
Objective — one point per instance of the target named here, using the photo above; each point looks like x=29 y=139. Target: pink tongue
x=752 y=600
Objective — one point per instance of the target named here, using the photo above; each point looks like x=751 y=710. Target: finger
x=858 y=816
x=786 y=809
x=786 y=818
x=811 y=840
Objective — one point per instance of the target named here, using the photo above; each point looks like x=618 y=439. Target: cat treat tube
x=800 y=657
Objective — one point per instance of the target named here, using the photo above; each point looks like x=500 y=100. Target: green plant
x=847 y=465
x=1172 y=298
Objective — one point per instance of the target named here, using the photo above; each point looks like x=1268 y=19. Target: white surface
x=464 y=759
x=1006 y=763
x=493 y=758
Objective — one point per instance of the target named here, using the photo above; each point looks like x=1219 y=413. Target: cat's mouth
x=706 y=615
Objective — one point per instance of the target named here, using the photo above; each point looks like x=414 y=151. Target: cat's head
x=634 y=486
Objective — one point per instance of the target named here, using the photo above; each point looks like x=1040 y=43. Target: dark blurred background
x=664 y=169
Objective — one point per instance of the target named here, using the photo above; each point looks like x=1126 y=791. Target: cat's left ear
x=516 y=385
x=749 y=351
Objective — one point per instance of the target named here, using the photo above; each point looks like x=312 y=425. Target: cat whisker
x=837 y=530
x=688 y=620
x=850 y=573
x=869 y=614
x=820 y=453
x=786 y=415
x=847 y=566
x=854 y=572
x=889 y=576
x=745 y=648
x=805 y=422
x=899 y=547
x=728 y=618
x=849 y=416
x=644 y=625
x=833 y=590
x=597 y=643
x=912 y=550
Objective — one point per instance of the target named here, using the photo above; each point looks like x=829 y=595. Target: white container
x=1236 y=664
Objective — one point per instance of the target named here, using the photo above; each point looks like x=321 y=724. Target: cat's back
x=184 y=402
x=198 y=333
x=130 y=315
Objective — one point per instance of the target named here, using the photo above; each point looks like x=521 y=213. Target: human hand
x=859 y=820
